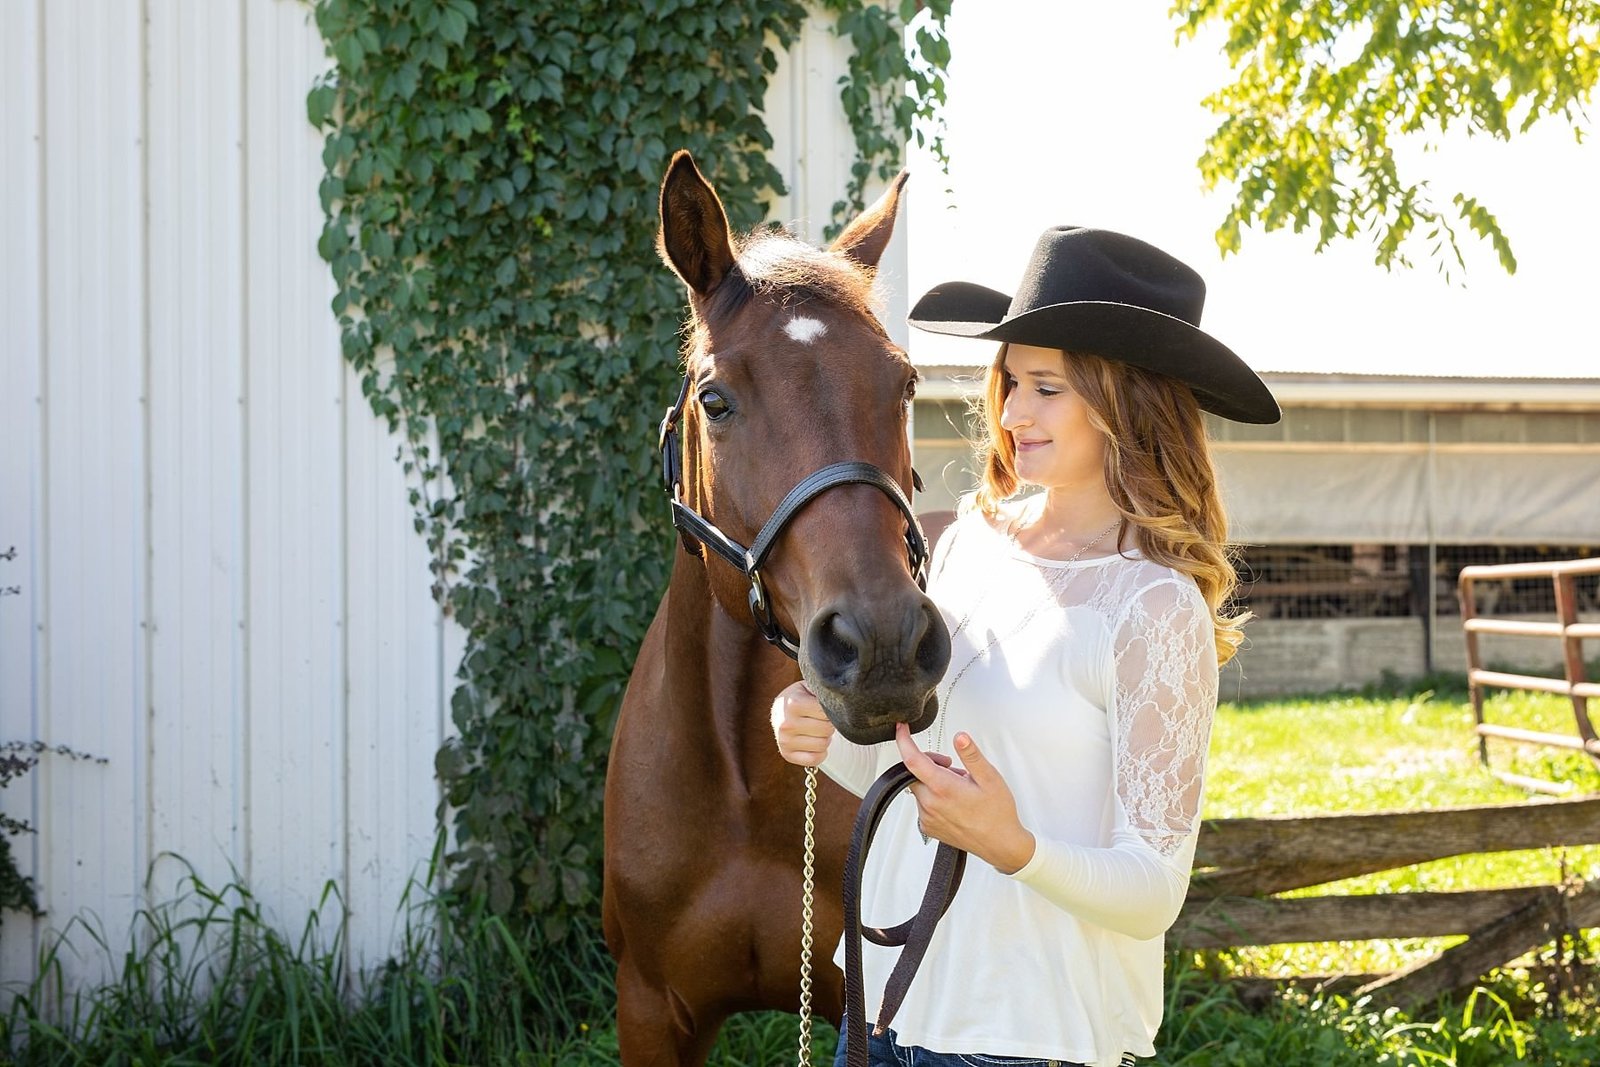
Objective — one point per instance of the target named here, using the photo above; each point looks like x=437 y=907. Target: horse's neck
x=721 y=677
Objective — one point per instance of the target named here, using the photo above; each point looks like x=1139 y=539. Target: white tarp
x=1410 y=496
x=1517 y=498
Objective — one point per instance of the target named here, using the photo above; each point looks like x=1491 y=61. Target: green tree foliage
x=1324 y=89
x=490 y=198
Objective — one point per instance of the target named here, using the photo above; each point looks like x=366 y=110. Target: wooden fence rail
x=1239 y=862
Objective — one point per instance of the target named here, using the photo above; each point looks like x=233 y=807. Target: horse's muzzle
x=872 y=729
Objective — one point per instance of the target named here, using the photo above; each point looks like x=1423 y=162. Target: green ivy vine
x=886 y=90
x=490 y=185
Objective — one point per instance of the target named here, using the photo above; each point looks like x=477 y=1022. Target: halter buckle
x=758 y=598
x=667 y=441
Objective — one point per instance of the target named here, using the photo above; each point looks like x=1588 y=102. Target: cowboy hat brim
x=1222 y=382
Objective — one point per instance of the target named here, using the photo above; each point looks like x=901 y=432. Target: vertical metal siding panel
x=196 y=572
x=784 y=112
x=394 y=681
x=244 y=517
x=813 y=147
x=824 y=142
x=372 y=612
x=91 y=817
x=823 y=145
x=454 y=641
x=294 y=376
x=21 y=457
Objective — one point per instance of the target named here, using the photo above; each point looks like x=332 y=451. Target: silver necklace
x=1057 y=581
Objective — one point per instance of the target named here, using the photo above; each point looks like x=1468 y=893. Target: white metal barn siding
x=221 y=592
x=812 y=147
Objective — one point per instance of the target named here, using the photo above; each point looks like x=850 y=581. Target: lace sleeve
x=1166 y=697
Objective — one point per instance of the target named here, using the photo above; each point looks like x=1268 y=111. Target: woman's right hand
x=801 y=726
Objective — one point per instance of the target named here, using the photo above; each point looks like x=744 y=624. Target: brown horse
x=787 y=372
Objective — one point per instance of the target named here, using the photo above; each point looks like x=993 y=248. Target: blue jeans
x=883 y=1050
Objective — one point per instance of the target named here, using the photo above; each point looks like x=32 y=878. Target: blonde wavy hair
x=1158 y=470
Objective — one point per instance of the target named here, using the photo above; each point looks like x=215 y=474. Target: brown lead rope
x=914 y=934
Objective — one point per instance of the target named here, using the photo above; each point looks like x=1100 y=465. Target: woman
x=1088 y=622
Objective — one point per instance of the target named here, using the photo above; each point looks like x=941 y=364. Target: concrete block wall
x=1284 y=656
x=1288 y=656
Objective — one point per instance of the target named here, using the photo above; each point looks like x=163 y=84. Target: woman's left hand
x=970 y=809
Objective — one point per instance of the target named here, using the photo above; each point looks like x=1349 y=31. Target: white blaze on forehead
x=804 y=330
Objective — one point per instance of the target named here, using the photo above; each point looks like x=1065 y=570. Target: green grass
x=1373 y=752
x=1206 y=1026
x=205 y=979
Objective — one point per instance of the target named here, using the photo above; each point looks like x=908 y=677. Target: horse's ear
x=865 y=239
x=694 y=237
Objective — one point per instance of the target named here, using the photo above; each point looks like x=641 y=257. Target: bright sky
x=1085 y=112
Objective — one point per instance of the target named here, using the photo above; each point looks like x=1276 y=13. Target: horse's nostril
x=842 y=632
x=835 y=647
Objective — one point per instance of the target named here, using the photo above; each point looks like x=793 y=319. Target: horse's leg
x=655 y=1031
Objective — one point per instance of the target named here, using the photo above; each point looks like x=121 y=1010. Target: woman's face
x=1056 y=445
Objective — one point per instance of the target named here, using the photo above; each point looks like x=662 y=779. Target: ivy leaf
x=575 y=886
x=320 y=103
x=452 y=25
x=350 y=53
x=407 y=77
x=448 y=762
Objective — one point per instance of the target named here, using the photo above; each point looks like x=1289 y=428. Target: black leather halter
x=696 y=531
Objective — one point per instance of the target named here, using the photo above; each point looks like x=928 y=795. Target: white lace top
x=1091 y=687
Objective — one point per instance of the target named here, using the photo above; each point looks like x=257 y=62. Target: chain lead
x=806 y=893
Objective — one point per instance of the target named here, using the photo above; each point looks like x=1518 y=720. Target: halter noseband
x=697 y=532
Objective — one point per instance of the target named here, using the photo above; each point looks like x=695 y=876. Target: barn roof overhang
x=1300 y=389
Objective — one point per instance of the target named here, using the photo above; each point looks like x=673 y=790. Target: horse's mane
x=778 y=265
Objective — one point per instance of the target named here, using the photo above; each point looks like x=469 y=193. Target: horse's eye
x=713 y=404
x=911 y=392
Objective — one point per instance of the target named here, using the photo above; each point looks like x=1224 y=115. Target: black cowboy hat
x=1113 y=296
